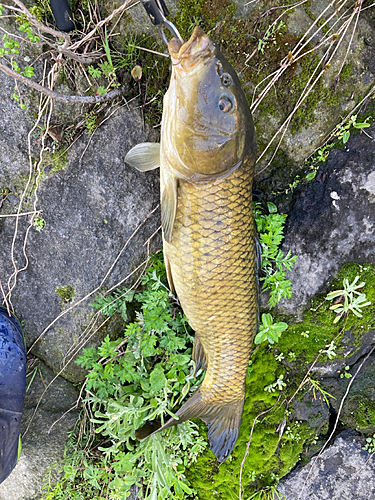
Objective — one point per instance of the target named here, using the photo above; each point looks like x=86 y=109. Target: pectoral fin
x=144 y=157
x=168 y=206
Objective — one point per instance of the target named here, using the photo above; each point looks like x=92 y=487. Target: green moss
x=67 y=293
x=364 y=415
x=269 y=457
x=56 y=161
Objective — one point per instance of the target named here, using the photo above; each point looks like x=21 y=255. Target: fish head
x=207 y=125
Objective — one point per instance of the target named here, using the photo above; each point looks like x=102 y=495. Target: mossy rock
x=302 y=411
x=269 y=456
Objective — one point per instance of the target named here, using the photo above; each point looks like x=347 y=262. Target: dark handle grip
x=156 y=9
x=63 y=15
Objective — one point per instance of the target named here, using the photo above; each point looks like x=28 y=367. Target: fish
x=207 y=155
x=12 y=390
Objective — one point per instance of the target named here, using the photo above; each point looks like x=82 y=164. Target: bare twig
x=21 y=214
x=125 y=6
x=5 y=300
x=55 y=96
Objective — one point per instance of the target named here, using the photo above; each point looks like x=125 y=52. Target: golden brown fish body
x=207 y=157
x=212 y=257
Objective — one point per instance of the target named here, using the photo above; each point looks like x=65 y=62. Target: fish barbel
x=207 y=157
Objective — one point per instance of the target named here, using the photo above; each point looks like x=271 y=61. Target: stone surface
x=91 y=208
x=333 y=221
x=44 y=443
x=342 y=472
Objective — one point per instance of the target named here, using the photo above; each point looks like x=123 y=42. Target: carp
x=206 y=156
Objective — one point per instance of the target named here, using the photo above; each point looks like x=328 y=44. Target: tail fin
x=223 y=422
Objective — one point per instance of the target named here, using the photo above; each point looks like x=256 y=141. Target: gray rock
x=332 y=222
x=342 y=472
x=44 y=443
x=91 y=208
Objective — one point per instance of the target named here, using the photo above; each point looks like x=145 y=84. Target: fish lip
x=187 y=55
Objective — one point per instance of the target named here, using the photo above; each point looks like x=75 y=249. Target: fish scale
x=227 y=295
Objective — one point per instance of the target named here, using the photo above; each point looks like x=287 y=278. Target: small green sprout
x=346 y=373
x=39 y=223
x=292 y=356
x=330 y=350
x=316 y=388
x=370 y=444
x=344 y=131
x=269 y=330
x=279 y=384
x=279 y=357
x=353 y=300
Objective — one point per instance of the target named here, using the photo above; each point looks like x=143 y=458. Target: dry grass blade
x=249 y=443
x=333 y=32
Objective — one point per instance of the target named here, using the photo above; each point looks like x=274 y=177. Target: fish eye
x=226 y=80
x=225 y=104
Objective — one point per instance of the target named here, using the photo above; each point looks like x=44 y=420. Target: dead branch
x=55 y=96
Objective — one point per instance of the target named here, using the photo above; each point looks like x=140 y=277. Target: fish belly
x=212 y=260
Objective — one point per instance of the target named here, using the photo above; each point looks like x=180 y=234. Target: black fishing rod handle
x=63 y=15
x=157 y=10
x=12 y=390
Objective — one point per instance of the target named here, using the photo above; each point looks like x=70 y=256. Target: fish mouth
x=187 y=55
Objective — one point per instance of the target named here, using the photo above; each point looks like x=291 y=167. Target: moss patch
x=271 y=457
x=67 y=293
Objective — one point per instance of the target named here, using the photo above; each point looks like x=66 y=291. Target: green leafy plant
x=316 y=388
x=270 y=36
x=10 y=46
x=330 y=350
x=39 y=223
x=348 y=299
x=344 y=131
x=270 y=493
x=140 y=377
x=268 y=330
x=274 y=262
x=346 y=373
x=278 y=385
